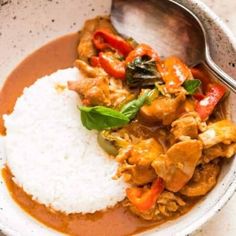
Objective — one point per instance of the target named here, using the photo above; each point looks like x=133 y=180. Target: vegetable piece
x=174 y=72
x=106 y=144
x=205 y=106
x=94 y=61
x=101 y=118
x=131 y=108
x=202 y=76
x=142 y=72
x=86 y=47
x=141 y=66
x=144 y=200
x=112 y=65
x=198 y=96
x=191 y=86
x=140 y=51
x=103 y=39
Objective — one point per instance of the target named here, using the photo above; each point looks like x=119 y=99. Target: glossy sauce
x=60 y=54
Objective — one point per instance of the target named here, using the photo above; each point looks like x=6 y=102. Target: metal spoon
x=169 y=28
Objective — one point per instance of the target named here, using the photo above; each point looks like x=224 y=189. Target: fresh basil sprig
x=191 y=85
x=131 y=109
x=100 y=117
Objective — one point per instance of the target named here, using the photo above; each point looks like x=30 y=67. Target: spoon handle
x=220 y=74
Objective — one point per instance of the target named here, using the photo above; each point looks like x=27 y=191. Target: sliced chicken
x=218 y=150
x=145 y=152
x=185 y=126
x=177 y=166
x=204 y=179
x=136 y=175
x=223 y=131
x=136 y=161
x=163 y=109
x=93 y=90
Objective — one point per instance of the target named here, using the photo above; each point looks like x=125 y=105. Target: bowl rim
x=227 y=195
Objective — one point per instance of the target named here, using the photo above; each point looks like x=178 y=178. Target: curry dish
x=163 y=122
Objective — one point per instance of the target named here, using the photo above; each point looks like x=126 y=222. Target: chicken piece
x=135 y=174
x=223 y=131
x=218 y=150
x=204 y=179
x=163 y=109
x=136 y=161
x=89 y=71
x=93 y=90
x=167 y=205
x=86 y=48
x=185 y=126
x=177 y=166
x=98 y=88
x=145 y=152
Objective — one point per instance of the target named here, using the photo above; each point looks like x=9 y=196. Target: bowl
x=27 y=25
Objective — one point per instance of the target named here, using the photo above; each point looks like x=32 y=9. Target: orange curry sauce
x=59 y=54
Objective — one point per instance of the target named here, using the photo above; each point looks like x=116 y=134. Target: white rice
x=52 y=156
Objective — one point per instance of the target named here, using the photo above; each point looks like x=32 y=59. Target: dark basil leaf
x=101 y=118
x=191 y=85
x=142 y=72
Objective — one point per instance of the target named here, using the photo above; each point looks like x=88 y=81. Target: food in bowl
x=118 y=144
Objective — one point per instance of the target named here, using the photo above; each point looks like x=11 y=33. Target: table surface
x=224 y=223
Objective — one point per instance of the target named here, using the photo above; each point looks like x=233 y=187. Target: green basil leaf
x=131 y=109
x=152 y=95
x=100 y=118
x=191 y=85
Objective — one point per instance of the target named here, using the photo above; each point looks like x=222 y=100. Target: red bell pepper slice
x=174 y=72
x=103 y=39
x=205 y=106
x=140 y=51
x=144 y=200
x=112 y=65
x=94 y=61
x=198 y=96
x=201 y=75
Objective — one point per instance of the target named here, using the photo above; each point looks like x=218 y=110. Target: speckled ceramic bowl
x=26 y=25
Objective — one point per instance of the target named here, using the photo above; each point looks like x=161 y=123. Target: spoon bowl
x=169 y=28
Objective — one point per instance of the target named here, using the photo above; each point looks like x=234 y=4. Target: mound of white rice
x=52 y=156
